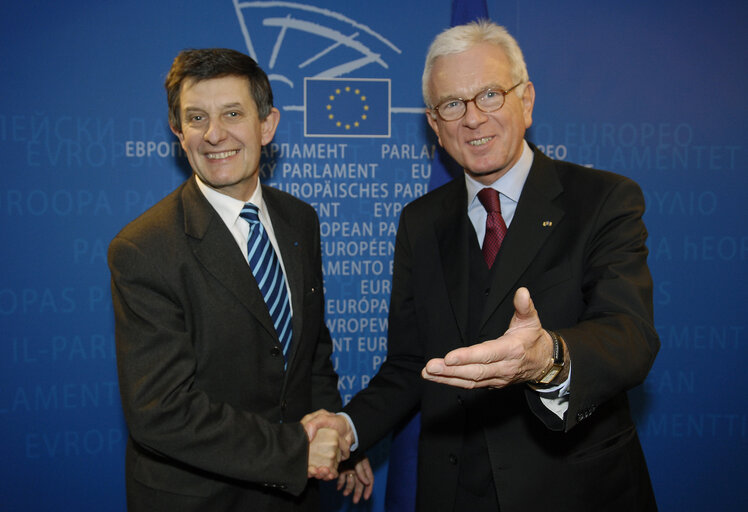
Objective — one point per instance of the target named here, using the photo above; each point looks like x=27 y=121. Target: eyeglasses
x=489 y=100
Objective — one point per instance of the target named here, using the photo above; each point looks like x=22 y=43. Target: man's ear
x=434 y=124
x=528 y=102
x=176 y=132
x=269 y=125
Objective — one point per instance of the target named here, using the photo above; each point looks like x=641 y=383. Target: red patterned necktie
x=495 y=225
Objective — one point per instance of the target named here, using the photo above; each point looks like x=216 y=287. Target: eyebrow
x=191 y=108
x=494 y=86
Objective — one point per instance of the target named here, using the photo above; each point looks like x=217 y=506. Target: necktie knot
x=489 y=198
x=250 y=213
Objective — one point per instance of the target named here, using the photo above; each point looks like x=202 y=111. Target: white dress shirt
x=229 y=209
x=509 y=186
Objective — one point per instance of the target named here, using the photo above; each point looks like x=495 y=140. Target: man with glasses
x=521 y=308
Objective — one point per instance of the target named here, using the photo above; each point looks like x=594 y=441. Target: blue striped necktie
x=269 y=275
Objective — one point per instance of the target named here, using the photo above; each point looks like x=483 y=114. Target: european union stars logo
x=338 y=107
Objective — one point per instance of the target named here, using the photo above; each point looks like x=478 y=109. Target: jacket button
x=275 y=352
x=284 y=405
x=459 y=400
x=453 y=459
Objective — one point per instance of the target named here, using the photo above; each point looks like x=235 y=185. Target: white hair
x=464 y=37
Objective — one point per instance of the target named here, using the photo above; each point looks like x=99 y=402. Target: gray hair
x=464 y=37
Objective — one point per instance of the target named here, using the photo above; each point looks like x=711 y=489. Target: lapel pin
x=547 y=223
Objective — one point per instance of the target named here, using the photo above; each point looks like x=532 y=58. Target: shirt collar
x=226 y=206
x=511 y=183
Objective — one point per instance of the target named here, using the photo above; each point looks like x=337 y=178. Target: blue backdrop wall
x=652 y=90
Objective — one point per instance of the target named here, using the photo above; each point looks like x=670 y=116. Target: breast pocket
x=551 y=278
x=557 y=295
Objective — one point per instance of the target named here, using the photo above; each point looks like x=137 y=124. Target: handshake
x=330 y=439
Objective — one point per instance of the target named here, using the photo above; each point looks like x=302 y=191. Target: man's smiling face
x=222 y=134
x=485 y=144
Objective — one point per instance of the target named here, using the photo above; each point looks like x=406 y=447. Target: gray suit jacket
x=213 y=416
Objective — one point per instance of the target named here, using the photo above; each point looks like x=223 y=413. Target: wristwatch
x=557 y=362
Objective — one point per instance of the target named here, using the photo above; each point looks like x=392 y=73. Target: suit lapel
x=534 y=220
x=453 y=232
x=216 y=250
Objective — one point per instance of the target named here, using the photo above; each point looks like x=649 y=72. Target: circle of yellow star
x=333 y=97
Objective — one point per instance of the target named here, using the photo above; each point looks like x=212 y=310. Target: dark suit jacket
x=213 y=416
x=577 y=242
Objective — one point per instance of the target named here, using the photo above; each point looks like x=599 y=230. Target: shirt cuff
x=354 y=446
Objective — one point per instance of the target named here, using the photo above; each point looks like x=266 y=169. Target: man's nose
x=215 y=132
x=473 y=115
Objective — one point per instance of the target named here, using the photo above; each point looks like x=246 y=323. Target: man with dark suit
x=218 y=363
x=518 y=345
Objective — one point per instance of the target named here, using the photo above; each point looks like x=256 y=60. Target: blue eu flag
x=346 y=107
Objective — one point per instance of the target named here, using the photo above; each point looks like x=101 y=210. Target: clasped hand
x=330 y=439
